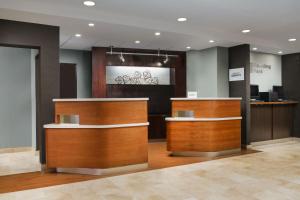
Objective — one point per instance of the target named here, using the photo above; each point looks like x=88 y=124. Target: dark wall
x=239 y=57
x=159 y=95
x=68 y=80
x=100 y=60
x=99 y=72
x=291 y=85
x=46 y=39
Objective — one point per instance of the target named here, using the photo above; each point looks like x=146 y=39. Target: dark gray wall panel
x=46 y=39
x=291 y=85
x=239 y=56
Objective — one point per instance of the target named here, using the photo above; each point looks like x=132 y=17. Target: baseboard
x=205 y=154
x=108 y=171
x=267 y=142
x=157 y=140
x=16 y=149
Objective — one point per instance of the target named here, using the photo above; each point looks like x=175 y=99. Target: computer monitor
x=279 y=90
x=254 y=89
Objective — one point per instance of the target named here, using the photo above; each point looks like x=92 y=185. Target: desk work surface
x=273 y=103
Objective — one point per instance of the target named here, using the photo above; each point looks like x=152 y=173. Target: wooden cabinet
x=214 y=130
x=271 y=120
x=282 y=121
x=111 y=133
x=261 y=123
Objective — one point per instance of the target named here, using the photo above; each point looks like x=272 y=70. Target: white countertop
x=102 y=99
x=94 y=126
x=192 y=119
x=206 y=98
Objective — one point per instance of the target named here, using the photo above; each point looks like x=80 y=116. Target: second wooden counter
x=215 y=128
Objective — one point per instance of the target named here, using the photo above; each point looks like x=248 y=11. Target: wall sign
x=192 y=94
x=256 y=68
x=236 y=74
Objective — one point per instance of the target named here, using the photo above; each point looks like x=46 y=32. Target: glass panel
x=137 y=75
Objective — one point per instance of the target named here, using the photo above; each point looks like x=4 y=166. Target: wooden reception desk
x=271 y=120
x=112 y=134
x=215 y=128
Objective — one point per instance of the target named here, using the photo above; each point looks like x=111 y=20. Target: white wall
x=83 y=62
x=15 y=101
x=207 y=72
x=202 y=72
x=268 y=77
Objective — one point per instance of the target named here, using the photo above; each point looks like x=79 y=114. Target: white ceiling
x=121 y=22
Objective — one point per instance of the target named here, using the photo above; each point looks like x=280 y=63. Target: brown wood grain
x=104 y=112
x=261 y=123
x=271 y=121
x=68 y=80
x=283 y=116
x=96 y=148
x=209 y=108
x=99 y=72
x=209 y=136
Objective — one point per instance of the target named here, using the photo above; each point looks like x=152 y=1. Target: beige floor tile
x=272 y=174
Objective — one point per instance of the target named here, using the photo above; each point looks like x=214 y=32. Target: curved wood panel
x=104 y=113
x=96 y=148
x=209 y=108
x=204 y=136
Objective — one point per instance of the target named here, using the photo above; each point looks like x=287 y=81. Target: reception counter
x=214 y=129
x=271 y=120
x=111 y=134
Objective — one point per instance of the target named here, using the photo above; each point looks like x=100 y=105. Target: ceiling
x=121 y=22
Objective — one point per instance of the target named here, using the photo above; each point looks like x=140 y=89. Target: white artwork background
x=265 y=71
x=137 y=75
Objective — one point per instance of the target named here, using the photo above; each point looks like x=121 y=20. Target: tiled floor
x=19 y=162
x=158 y=158
x=272 y=174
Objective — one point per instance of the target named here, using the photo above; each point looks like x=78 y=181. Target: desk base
x=205 y=154
x=89 y=171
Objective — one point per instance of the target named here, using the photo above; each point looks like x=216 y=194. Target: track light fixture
x=122 y=57
x=166 y=59
x=158 y=56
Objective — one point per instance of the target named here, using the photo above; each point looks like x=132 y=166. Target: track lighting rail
x=141 y=54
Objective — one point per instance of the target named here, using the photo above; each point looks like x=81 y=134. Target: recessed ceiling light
x=211 y=41
x=292 y=39
x=246 y=31
x=77 y=35
x=89 y=3
x=254 y=48
x=91 y=24
x=280 y=52
x=181 y=19
x=188 y=47
x=137 y=42
x=157 y=33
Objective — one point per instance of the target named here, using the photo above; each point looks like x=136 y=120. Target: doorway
x=18 y=138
